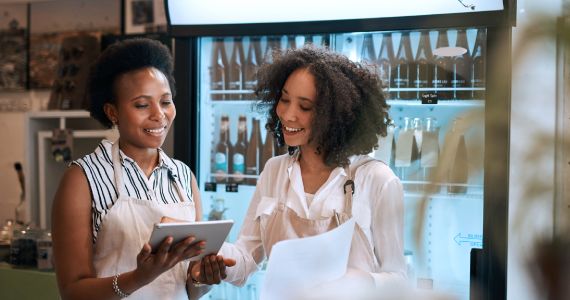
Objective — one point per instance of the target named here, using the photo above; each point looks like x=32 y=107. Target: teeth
x=157 y=130
x=292 y=129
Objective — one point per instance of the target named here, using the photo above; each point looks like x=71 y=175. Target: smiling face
x=296 y=107
x=143 y=110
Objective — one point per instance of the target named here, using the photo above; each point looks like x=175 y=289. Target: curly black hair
x=120 y=58
x=350 y=110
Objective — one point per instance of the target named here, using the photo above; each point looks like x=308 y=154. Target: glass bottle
x=291 y=42
x=443 y=68
x=418 y=133
x=217 y=209
x=401 y=67
x=385 y=61
x=235 y=79
x=423 y=67
x=406 y=152
x=252 y=159
x=415 y=171
x=430 y=147
x=273 y=45
x=325 y=41
x=268 y=149
x=458 y=171
x=222 y=152
x=368 y=53
x=478 y=65
x=45 y=251
x=308 y=39
x=239 y=151
x=461 y=68
x=250 y=66
x=410 y=267
x=218 y=69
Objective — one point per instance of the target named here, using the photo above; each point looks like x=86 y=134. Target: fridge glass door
x=435 y=84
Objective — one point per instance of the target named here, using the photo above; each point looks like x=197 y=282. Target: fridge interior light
x=449 y=51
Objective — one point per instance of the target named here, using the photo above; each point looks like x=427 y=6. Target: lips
x=291 y=129
x=156 y=131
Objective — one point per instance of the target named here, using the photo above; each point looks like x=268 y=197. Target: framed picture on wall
x=52 y=22
x=144 y=16
x=139 y=14
x=14 y=49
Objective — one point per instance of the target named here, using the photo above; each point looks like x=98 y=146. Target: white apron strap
x=118 y=173
x=349 y=189
x=118 y=169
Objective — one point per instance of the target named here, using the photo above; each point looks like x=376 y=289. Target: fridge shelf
x=408 y=102
x=444 y=195
x=233 y=102
x=218 y=92
x=454 y=103
x=428 y=89
x=230 y=176
x=420 y=189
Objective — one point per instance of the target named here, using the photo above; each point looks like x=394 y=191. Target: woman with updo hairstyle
x=108 y=201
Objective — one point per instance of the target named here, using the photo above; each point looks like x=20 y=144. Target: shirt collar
x=166 y=162
x=295 y=157
x=163 y=161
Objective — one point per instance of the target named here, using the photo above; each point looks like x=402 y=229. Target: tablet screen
x=213 y=232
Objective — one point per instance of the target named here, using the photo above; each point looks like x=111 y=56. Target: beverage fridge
x=440 y=62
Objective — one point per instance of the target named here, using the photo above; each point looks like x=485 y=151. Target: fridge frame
x=488 y=265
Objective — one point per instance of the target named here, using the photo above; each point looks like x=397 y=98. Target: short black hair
x=350 y=110
x=120 y=58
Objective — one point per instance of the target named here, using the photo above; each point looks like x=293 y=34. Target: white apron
x=284 y=224
x=125 y=229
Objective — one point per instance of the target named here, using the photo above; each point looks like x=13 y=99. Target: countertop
x=18 y=283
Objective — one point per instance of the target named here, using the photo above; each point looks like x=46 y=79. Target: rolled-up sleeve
x=248 y=249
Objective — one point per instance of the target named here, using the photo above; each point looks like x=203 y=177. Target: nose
x=157 y=113
x=287 y=112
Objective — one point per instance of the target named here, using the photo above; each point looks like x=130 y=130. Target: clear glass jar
x=45 y=251
x=23 y=248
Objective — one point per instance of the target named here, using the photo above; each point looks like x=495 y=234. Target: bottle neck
x=224 y=131
x=242 y=133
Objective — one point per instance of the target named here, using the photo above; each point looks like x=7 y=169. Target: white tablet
x=213 y=232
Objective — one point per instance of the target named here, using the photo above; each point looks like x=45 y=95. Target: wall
x=12 y=138
x=532 y=150
x=46 y=17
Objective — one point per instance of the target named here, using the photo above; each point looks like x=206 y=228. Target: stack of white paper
x=301 y=264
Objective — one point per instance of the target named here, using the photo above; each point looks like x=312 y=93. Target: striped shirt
x=159 y=187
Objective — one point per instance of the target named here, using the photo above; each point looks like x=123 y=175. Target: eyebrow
x=149 y=97
x=302 y=98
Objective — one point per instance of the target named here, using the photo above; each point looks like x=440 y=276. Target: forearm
x=101 y=288
x=245 y=264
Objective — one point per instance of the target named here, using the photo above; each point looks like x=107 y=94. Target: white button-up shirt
x=378 y=209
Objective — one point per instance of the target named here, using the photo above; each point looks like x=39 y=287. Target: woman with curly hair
x=109 y=200
x=329 y=111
